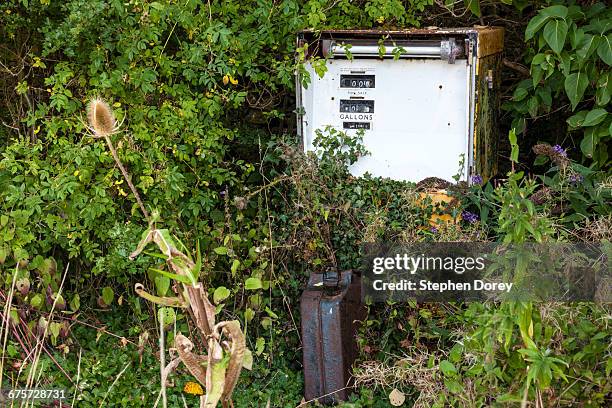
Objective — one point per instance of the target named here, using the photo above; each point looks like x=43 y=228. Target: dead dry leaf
x=397 y=398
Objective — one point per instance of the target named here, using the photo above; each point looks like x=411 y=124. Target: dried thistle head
x=101 y=119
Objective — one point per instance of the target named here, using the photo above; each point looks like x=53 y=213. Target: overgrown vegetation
x=203 y=96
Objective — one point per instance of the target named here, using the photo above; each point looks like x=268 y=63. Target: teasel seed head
x=101 y=118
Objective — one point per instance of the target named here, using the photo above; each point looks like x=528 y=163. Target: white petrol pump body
x=417 y=112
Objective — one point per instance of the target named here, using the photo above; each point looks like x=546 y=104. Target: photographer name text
x=406 y=285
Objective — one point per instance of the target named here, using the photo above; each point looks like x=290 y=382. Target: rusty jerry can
x=331 y=310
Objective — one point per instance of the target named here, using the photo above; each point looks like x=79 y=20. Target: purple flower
x=433 y=230
x=469 y=216
x=476 y=179
x=559 y=150
x=576 y=178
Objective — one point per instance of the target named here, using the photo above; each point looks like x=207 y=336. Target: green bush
x=570 y=54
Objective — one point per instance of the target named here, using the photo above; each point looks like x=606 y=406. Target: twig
x=114 y=382
x=97 y=328
x=76 y=386
x=517 y=67
x=40 y=343
x=5 y=323
x=267 y=186
x=162 y=360
x=305 y=403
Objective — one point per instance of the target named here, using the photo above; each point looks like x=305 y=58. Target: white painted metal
x=421 y=122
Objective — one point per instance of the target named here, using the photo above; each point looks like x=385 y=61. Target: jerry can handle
x=331 y=279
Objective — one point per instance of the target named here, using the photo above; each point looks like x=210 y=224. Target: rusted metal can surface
x=331 y=310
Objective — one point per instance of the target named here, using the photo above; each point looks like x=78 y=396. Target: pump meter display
x=426 y=106
x=356 y=106
x=357 y=81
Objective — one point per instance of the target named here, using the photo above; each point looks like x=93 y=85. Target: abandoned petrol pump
x=426 y=102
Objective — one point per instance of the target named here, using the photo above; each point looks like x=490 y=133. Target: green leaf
x=157 y=6
x=167 y=314
x=474 y=6
x=54 y=328
x=20 y=254
x=197 y=267
x=453 y=386
x=519 y=94
x=577 y=120
x=108 y=295
x=162 y=284
x=36 y=301
x=587 y=46
x=604 y=89
x=181 y=278
x=532 y=106
x=544 y=94
x=534 y=25
x=565 y=64
x=21 y=88
x=319 y=66
x=382 y=50
x=266 y=322
x=75 y=303
x=576 y=37
x=259 y=345
x=448 y=368
x=555 y=33
x=538 y=59
x=271 y=313
x=165 y=301
x=252 y=284
x=220 y=294
x=605 y=49
x=247 y=361
x=167 y=241
x=11 y=350
x=215 y=392
x=554 y=11
x=575 y=85
x=249 y=314
x=234 y=267
x=587 y=145
x=595 y=117
x=221 y=250
x=156 y=255
x=513 y=143
x=536 y=74
x=59 y=300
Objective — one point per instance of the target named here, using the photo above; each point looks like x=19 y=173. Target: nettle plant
x=570 y=57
